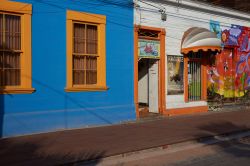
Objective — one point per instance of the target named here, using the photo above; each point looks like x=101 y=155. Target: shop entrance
x=148 y=81
x=149 y=71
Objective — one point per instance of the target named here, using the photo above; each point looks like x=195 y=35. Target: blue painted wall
x=50 y=108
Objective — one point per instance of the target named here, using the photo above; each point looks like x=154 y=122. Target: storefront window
x=175 y=75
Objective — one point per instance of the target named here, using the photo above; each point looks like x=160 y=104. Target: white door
x=153 y=86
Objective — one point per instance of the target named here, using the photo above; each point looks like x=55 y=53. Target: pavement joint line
x=170 y=148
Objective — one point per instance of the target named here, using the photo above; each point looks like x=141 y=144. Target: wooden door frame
x=161 y=69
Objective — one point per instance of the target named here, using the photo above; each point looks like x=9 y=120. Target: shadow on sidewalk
x=237 y=147
x=40 y=153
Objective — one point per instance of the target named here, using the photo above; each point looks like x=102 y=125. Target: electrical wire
x=185 y=16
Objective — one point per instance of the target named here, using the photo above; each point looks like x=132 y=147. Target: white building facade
x=168 y=92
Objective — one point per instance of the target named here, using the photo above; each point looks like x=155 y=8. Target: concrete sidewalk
x=68 y=147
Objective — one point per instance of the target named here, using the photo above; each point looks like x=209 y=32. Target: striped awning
x=195 y=39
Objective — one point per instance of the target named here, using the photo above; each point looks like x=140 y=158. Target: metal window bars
x=194 y=77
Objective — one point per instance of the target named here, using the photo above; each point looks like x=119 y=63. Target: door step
x=144 y=113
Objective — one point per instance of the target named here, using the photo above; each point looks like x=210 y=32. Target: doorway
x=149 y=71
x=148 y=89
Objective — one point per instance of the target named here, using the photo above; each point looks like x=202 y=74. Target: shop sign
x=149 y=48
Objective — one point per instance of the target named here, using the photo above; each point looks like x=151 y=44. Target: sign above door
x=148 y=48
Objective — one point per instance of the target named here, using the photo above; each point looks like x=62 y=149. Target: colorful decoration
x=230 y=37
x=215 y=27
x=149 y=48
x=229 y=74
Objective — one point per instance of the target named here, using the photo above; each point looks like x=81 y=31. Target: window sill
x=86 y=88
x=17 y=91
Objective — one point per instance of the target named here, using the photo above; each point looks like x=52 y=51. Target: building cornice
x=204 y=7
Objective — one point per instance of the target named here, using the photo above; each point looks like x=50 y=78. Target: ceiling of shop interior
x=241 y=5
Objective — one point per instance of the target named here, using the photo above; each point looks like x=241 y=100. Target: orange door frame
x=161 y=82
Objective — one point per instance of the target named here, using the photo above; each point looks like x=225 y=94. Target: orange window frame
x=100 y=22
x=23 y=10
x=203 y=61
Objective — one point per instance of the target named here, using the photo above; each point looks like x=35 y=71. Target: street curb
x=166 y=149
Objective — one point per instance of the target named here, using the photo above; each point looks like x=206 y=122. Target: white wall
x=178 y=21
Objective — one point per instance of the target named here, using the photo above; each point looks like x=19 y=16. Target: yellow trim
x=101 y=67
x=86 y=17
x=87 y=88
x=15 y=7
x=17 y=91
x=69 y=52
x=26 y=48
x=26 y=78
x=100 y=21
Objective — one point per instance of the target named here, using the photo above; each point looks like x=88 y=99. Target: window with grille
x=194 y=76
x=10 y=50
x=148 y=33
x=85 y=54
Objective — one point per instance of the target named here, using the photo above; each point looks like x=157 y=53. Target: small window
x=86 y=57
x=15 y=48
x=148 y=33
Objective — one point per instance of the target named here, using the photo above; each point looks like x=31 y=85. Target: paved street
x=233 y=153
x=77 y=146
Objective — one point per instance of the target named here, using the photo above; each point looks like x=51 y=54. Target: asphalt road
x=231 y=153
